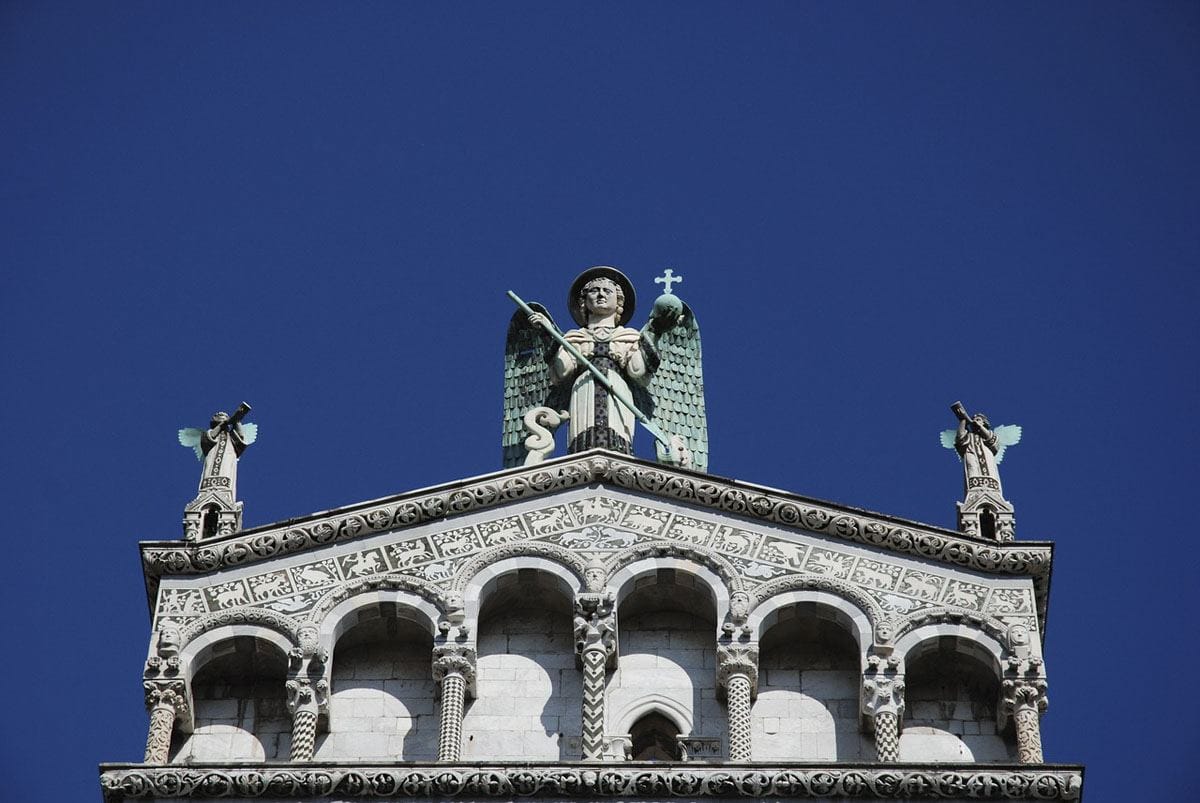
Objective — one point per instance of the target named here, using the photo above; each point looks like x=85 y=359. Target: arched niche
x=952 y=677
x=668 y=611
x=485 y=582
x=238 y=677
x=811 y=657
x=528 y=691
x=381 y=689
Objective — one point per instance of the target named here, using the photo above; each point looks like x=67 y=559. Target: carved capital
x=456 y=659
x=737 y=659
x=305 y=693
x=596 y=624
x=882 y=693
x=172 y=693
x=1019 y=693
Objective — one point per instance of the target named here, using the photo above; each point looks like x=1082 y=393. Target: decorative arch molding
x=855 y=618
x=482 y=584
x=272 y=622
x=554 y=557
x=198 y=649
x=622 y=579
x=971 y=621
x=654 y=702
x=731 y=579
x=339 y=617
x=427 y=593
x=862 y=603
x=982 y=644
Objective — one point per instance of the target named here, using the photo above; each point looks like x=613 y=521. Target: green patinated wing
x=190 y=437
x=947 y=437
x=527 y=382
x=1006 y=435
x=249 y=433
x=677 y=387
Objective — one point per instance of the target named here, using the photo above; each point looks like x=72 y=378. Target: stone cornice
x=588 y=781
x=1025 y=559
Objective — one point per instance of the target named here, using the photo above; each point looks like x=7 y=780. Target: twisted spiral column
x=737 y=674
x=454 y=687
x=304 y=735
x=737 y=690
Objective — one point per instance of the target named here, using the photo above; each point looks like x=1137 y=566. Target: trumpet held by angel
x=604 y=377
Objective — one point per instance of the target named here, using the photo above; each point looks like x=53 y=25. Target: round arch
x=967 y=640
x=197 y=652
x=342 y=616
x=625 y=578
x=483 y=583
x=846 y=613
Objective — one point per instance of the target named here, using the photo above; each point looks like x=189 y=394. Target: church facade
x=595 y=626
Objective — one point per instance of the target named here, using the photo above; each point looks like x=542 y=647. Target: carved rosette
x=1024 y=699
x=166 y=700
x=883 y=704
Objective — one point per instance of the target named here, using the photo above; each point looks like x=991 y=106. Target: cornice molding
x=633 y=781
x=789 y=511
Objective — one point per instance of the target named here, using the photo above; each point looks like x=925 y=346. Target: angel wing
x=190 y=437
x=947 y=438
x=677 y=386
x=1006 y=435
x=527 y=381
x=249 y=433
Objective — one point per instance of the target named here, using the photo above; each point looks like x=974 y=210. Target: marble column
x=454 y=672
x=595 y=647
x=883 y=705
x=1024 y=699
x=737 y=676
x=165 y=701
x=306 y=698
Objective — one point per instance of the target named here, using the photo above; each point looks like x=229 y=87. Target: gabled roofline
x=729 y=496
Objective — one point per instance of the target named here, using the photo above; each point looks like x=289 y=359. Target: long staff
x=642 y=418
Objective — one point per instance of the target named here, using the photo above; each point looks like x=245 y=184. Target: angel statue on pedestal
x=984 y=510
x=605 y=377
x=216 y=510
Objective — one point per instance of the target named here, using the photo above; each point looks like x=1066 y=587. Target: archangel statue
x=215 y=510
x=984 y=511
x=604 y=376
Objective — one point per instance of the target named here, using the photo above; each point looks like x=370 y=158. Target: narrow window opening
x=211 y=513
x=987 y=522
x=655 y=738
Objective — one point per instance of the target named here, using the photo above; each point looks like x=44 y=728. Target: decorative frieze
x=560 y=781
x=758 y=557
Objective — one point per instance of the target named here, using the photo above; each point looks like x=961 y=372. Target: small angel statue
x=980 y=447
x=604 y=377
x=219 y=447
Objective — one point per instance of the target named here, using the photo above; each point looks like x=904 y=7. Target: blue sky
x=877 y=208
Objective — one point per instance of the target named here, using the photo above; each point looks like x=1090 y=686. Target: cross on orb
x=667 y=279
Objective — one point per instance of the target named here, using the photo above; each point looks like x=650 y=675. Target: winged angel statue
x=219 y=448
x=980 y=447
x=604 y=377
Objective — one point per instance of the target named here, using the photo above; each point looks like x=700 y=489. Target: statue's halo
x=612 y=273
